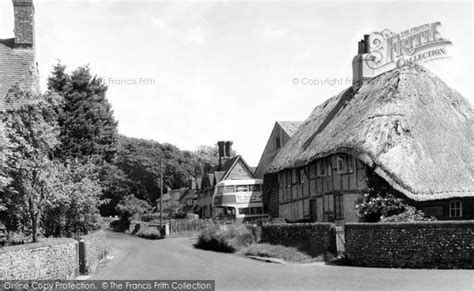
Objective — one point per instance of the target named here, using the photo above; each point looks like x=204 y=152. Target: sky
x=192 y=73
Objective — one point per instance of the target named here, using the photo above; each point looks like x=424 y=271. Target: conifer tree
x=86 y=120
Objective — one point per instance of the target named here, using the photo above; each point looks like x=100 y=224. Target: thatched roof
x=290 y=127
x=407 y=123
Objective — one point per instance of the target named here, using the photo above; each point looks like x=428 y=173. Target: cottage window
x=340 y=165
x=302 y=174
x=329 y=166
x=455 y=208
x=189 y=202
x=350 y=164
x=339 y=207
x=220 y=190
x=278 y=142
x=296 y=176
x=344 y=164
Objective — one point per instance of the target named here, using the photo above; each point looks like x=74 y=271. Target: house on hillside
x=17 y=55
x=281 y=133
x=173 y=194
x=404 y=129
x=228 y=168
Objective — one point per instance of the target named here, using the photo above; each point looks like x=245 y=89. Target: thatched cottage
x=404 y=127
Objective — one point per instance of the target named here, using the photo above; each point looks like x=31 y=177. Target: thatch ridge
x=407 y=123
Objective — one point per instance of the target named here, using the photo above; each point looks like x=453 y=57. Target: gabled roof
x=290 y=127
x=189 y=193
x=406 y=123
x=229 y=165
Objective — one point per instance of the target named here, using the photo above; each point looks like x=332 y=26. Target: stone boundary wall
x=96 y=248
x=313 y=238
x=49 y=260
x=439 y=244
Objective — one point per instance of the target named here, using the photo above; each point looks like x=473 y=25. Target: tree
x=86 y=120
x=139 y=159
x=74 y=212
x=132 y=208
x=31 y=129
x=115 y=186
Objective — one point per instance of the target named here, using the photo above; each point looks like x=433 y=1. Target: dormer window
x=277 y=142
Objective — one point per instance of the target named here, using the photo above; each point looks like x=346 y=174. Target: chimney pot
x=221 y=146
x=366 y=43
x=228 y=149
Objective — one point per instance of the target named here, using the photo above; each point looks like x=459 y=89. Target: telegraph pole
x=161 y=190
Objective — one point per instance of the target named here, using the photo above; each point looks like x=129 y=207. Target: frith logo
x=418 y=44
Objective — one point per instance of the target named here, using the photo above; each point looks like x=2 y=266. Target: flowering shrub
x=411 y=214
x=371 y=207
x=387 y=208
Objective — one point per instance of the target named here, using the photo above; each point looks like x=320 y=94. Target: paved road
x=170 y=259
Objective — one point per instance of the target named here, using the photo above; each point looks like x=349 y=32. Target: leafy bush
x=411 y=214
x=149 y=232
x=225 y=238
x=17 y=238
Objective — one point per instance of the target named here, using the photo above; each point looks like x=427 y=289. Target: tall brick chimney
x=24 y=12
x=361 y=70
x=225 y=151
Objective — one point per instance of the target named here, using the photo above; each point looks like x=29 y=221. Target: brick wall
x=96 y=248
x=51 y=260
x=440 y=244
x=313 y=238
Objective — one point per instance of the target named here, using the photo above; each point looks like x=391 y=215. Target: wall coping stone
x=40 y=244
x=425 y=224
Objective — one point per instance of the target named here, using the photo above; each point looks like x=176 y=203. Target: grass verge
x=288 y=254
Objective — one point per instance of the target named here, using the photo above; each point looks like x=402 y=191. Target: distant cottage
x=229 y=168
x=17 y=55
x=405 y=128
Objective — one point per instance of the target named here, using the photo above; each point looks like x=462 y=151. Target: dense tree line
x=63 y=159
